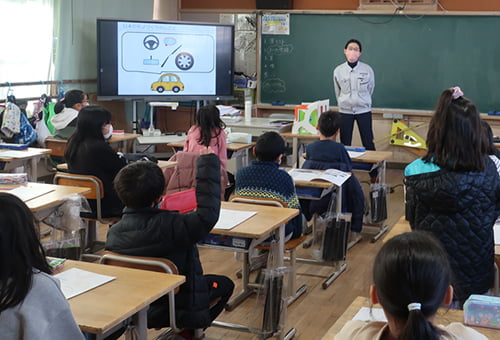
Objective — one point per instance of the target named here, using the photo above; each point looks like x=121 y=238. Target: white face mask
x=110 y=132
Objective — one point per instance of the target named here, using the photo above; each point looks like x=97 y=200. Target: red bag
x=182 y=201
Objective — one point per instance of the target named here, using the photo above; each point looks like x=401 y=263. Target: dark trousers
x=219 y=287
x=364 y=121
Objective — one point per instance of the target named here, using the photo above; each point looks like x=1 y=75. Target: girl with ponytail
x=411 y=278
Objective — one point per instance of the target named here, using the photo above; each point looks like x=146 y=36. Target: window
x=26 y=35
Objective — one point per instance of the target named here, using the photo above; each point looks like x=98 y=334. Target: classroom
x=142 y=73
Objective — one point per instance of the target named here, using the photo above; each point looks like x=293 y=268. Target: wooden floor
x=315 y=311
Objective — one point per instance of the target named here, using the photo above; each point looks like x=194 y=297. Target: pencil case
x=482 y=311
x=16 y=178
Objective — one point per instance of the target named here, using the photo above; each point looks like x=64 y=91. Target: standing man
x=354 y=82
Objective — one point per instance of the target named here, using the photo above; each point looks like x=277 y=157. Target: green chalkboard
x=414 y=58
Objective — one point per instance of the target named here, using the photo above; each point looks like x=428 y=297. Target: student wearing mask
x=67 y=113
x=88 y=153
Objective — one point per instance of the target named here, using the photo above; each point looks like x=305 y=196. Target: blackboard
x=414 y=58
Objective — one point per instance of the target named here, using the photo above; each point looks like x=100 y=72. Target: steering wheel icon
x=151 y=42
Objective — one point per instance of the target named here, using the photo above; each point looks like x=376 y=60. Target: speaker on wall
x=274 y=4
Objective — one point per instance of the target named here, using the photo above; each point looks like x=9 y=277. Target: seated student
x=264 y=179
x=67 y=113
x=327 y=149
x=327 y=153
x=32 y=305
x=492 y=151
x=88 y=153
x=411 y=277
x=145 y=230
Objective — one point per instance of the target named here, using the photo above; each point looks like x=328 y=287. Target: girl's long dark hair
x=488 y=136
x=210 y=124
x=71 y=98
x=89 y=125
x=412 y=268
x=20 y=251
x=454 y=139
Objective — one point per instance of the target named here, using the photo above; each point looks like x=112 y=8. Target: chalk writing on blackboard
x=274 y=85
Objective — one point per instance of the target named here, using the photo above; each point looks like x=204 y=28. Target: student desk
x=123 y=140
x=162 y=164
x=43 y=205
x=103 y=309
x=370 y=156
x=326 y=186
x=257 y=126
x=237 y=150
x=267 y=221
x=58 y=145
x=28 y=158
x=444 y=316
x=163 y=139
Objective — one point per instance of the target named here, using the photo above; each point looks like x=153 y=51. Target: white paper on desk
x=356 y=154
x=228 y=219
x=76 y=281
x=370 y=314
x=28 y=193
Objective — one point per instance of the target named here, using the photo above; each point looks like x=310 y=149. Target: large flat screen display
x=157 y=60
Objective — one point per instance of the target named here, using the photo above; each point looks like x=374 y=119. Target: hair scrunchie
x=457 y=92
x=414 y=306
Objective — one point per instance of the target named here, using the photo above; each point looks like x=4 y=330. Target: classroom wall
x=450 y=5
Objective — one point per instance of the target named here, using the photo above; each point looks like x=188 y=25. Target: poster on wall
x=276 y=24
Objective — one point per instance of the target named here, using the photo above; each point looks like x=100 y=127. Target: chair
x=496 y=288
x=156 y=264
x=96 y=193
x=57 y=145
x=290 y=246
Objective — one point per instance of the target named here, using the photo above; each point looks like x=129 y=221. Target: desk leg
x=239 y=158
x=245 y=291
x=33 y=169
x=295 y=152
x=139 y=320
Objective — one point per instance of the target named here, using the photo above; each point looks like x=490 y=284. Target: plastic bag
x=67 y=216
x=27 y=134
x=42 y=130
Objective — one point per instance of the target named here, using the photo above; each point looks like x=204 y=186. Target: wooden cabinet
x=168 y=120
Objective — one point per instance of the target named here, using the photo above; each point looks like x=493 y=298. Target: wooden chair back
x=256 y=200
x=57 y=145
x=86 y=181
x=156 y=264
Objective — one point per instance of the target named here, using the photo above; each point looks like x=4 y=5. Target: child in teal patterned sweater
x=263 y=179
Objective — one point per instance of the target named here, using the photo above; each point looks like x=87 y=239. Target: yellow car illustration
x=168 y=82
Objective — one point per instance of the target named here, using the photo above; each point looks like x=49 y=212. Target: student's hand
x=206 y=150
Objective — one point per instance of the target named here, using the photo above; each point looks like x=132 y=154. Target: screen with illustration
x=154 y=60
